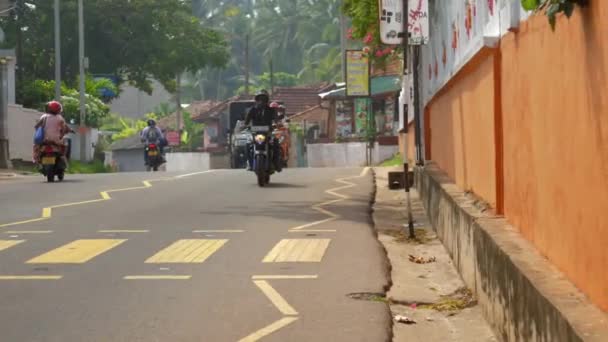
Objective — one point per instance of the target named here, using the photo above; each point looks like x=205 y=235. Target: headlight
x=260 y=138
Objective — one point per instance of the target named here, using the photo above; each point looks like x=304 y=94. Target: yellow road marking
x=105 y=196
x=28 y=232
x=276 y=299
x=4 y=244
x=77 y=252
x=158 y=277
x=298 y=250
x=47 y=277
x=123 y=231
x=187 y=251
x=271 y=277
x=256 y=336
x=219 y=231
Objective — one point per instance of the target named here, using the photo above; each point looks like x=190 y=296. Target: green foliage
x=136 y=40
x=76 y=167
x=281 y=79
x=553 y=7
x=396 y=160
x=192 y=137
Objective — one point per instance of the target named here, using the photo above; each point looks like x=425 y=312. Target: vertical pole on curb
x=83 y=113
x=406 y=166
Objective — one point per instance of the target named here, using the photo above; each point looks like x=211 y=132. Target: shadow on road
x=284 y=186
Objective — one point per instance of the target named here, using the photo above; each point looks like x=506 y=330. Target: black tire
x=50 y=176
x=261 y=180
x=267 y=180
x=155 y=168
x=61 y=176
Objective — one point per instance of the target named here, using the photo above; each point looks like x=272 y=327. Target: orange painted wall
x=555 y=110
x=461 y=128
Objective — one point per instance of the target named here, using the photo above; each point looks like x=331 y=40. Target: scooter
x=52 y=163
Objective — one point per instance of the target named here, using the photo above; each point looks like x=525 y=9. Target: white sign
x=418 y=22
x=391 y=21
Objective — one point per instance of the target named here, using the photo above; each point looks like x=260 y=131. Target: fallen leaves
x=422 y=260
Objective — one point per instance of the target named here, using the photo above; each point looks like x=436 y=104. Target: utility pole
x=4 y=152
x=406 y=75
x=178 y=101
x=57 y=52
x=83 y=143
x=343 y=44
x=247 y=65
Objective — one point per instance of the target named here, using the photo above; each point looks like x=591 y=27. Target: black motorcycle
x=155 y=158
x=262 y=150
x=51 y=163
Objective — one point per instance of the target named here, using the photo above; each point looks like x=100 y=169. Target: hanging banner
x=418 y=22
x=361 y=115
x=357 y=74
x=391 y=21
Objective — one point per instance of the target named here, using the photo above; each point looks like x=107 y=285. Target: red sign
x=173 y=138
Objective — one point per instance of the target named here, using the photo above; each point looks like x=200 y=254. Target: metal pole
x=417 y=125
x=83 y=143
x=4 y=152
x=247 y=65
x=343 y=45
x=57 y=52
x=178 y=102
x=406 y=166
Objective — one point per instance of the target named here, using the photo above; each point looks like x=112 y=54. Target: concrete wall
x=555 y=110
x=525 y=127
x=523 y=296
x=346 y=154
x=182 y=161
x=129 y=160
x=21 y=123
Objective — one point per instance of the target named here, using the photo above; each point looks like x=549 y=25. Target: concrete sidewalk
x=432 y=294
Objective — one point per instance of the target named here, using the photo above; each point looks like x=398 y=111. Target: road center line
x=256 y=336
x=47 y=277
x=28 y=232
x=276 y=299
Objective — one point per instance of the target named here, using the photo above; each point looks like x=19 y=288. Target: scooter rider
x=152 y=135
x=263 y=115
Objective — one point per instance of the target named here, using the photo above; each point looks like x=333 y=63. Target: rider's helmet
x=262 y=96
x=151 y=123
x=54 y=107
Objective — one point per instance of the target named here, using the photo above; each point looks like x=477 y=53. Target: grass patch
x=395 y=161
x=457 y=301
x=88 y=168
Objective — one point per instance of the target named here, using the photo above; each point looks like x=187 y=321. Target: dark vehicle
x=51 y=162
x=239 y=144
x=262 y=154
x=155 y=159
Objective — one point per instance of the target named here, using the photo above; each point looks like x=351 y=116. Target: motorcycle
x=281 y=135
x=155 y=159
x=240 y=142
x=263 y=165
x=52 y=163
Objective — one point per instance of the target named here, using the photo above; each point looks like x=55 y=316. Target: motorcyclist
x=152 y=135
x=263 y=115
x=55 y=128
x=282 y=132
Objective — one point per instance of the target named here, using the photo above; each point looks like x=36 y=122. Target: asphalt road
x=199 y=257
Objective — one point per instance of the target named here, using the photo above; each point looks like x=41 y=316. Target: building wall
x=461 y=122
x=555 y=109
x=21 y=123
x=346 y=154
x=129 y=160
x=525 y=126
x=134 y=103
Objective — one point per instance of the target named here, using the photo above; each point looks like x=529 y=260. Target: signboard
x=418 y=22
x=357 y=71
x=391 y=21
x=362 y=111
x=173 y=138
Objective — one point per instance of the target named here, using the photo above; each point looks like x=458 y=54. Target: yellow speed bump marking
x=28 y=232
x=256 y=336
x=47 y=277
x=4 y=244
x=123 y=231
x=298 y=250
x=158 y=277
x=77 y=252
x=275 y=277
x=187 y=251
x=276 y=299
x=219 y=231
